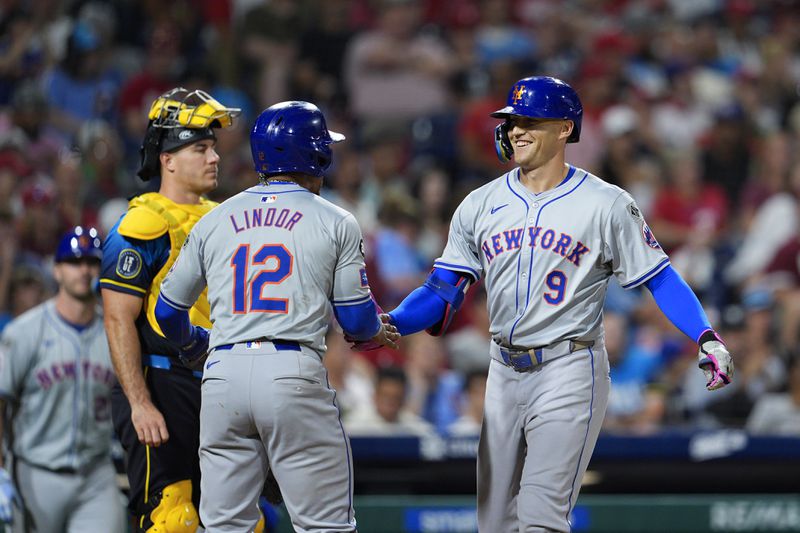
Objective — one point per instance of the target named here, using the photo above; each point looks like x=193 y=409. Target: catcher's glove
x=715 y=360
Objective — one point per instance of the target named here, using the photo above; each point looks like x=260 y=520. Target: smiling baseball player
x=546 y=237
x=274 y=258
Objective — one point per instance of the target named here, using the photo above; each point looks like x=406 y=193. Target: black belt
x=279 y=344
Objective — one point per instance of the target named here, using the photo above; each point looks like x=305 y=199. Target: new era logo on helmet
x=185 y=134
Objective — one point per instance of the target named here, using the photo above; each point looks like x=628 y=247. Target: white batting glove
x=8 y=497
x=715 y=361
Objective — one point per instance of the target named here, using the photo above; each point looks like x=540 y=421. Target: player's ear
x=566 y=129
x=167 y=161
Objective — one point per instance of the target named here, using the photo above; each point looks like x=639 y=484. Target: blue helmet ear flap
x=502 y=144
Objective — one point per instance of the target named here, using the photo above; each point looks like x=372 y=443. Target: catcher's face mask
x=179 y=118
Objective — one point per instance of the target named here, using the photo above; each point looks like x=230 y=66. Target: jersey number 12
x=282 y=269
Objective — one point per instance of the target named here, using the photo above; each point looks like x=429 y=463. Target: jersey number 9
x=557 y=283
x=282 y=269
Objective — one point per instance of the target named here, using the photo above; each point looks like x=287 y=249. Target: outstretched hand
x=386 y=336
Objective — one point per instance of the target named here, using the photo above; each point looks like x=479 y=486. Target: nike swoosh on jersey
x=212 y=363
x=498 y=208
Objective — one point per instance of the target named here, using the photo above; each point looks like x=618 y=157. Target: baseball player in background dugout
x=55 y=371
x=156 y=404
x=546 y=237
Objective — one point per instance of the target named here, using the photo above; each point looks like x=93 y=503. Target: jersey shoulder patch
x=141 y=223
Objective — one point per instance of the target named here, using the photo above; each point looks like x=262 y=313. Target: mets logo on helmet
x=519 y=91
x=83 y=241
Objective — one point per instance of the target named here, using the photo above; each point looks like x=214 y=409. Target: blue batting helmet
x=79 y=243
x=538 y=97
x=292 y=137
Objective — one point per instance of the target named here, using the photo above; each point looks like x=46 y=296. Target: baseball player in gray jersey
x=55 y=371
x=274 y=258
x=546 y=237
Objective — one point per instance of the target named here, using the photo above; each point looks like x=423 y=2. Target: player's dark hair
x=391 y=373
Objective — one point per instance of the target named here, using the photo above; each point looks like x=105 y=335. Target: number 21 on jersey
x=249 y=297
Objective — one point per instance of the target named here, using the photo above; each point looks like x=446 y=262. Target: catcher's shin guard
x=174 y=511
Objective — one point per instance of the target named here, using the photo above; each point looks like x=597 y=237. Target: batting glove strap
x=8 y=497
x=715 y=361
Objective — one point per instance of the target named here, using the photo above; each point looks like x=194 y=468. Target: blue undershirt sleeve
x=359 y=321
x=173 y=321
x=423 y=308
x=678 y=303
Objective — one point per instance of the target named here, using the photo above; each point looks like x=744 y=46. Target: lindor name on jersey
x=260 y=217
x=538 y=237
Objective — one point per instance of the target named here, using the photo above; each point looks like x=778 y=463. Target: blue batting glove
x=197 y=347
x=8 y=497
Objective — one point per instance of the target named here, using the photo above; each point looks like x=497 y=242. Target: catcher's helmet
x=292 y=137
x=538 y=97
x=179 y=118
x=79 y=243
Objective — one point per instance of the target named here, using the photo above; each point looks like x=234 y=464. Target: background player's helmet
x=179 y=118
x=292 y=137
x=538 y=97
x=80 y=242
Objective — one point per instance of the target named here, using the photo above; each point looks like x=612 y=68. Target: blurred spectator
x=386 y=146
x=474 y=393
x=598 y=88
x=8 y=254
x=498 y=38
x=399 y=265
x=23 y=53
x=27 y=289
x=317 y=74
x=773 y=224
x=432 y=187
x=70 y=189
x=468 y=345
x=478 y=157
x=389 y=415
x=14 y=169
x=269 y=44
x=82 y=86
x=349 y=374
x=101 y=164
x=38 y=226
x=345 y=186
x=433 y=389
x=678 y=120
x=687 y=218
x=160 y=70
x=27 y=128
x=779 y=413
x=726 y=154
x=634 y=355
x=394 y=72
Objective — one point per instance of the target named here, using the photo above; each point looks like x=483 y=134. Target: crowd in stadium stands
x=691 y=105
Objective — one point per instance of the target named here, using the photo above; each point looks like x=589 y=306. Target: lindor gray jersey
x=60 y=381
x=547 y=258
x=274 y=257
